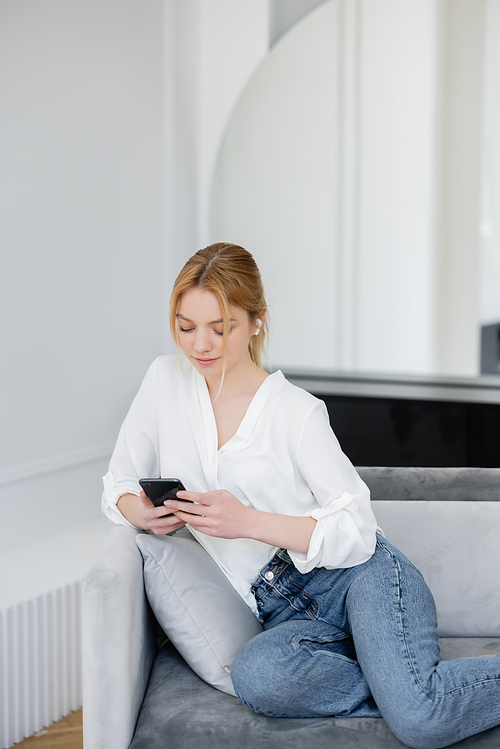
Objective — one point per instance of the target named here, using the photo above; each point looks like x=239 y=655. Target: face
x=200 y=329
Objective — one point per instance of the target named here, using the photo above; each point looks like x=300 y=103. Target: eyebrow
x=212 y=322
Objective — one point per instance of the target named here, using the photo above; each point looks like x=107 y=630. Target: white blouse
x=284 y=458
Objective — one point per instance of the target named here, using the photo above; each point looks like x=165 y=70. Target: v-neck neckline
x=248 y=421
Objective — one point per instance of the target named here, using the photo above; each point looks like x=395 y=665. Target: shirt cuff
x=314 y=557
x=110 y=497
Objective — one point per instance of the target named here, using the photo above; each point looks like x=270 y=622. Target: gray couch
x=446 y=520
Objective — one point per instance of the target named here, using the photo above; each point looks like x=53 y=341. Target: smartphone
x=158 y=490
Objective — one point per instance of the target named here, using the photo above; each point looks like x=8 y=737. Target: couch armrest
x=119 y=643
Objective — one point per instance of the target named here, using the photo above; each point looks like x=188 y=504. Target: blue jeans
x=362 y=642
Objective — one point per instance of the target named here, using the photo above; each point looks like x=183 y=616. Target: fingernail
x=168 y=503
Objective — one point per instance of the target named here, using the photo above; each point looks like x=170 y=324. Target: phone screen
x=159 y=490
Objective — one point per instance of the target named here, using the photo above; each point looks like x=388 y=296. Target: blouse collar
x=249 y=420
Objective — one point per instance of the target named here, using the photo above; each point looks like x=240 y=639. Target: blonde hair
x=232 y=275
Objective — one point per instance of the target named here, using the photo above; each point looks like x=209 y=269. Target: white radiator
x=40 y=662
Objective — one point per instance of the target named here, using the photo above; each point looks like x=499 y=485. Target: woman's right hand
x=142 y=513
x=155 y=519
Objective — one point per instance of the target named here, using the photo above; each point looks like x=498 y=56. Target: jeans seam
x=401 y=617
x=291 y=584
x=309 y=600
x=472 y=685
x=272 y=587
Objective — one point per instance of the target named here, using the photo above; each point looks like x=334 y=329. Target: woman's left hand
x=217 y=513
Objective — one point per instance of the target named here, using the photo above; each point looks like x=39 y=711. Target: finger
x=190 y=496
x=189 y=507
x=162 y=531
x=145 y=499
x=199 y=522
x=156 y=510
x=154 y=514
x=164 y=523
x=178 y=525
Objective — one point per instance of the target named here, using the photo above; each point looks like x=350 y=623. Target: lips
x=205 y=362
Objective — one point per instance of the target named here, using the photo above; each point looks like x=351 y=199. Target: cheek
x=239 y=346
x=183 y=341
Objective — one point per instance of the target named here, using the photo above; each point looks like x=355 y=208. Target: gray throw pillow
x=196 y=605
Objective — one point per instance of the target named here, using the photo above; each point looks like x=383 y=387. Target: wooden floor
x=65 y=734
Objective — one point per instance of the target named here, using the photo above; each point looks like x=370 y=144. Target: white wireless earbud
x=259 y=323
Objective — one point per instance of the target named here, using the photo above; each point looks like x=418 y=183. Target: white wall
x=350 y=168
x=82 y=246
x=490 y=188
x=283 y=14
x=327 y=175
x=457 y=270
x=213 y=47
x=234 y=40
x=398 y=49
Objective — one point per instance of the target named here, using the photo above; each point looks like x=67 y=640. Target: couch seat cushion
x=181 y=711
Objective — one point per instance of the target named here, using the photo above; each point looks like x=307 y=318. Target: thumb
x=144 y=498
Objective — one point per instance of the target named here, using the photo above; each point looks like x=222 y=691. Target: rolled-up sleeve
x=344 y=535
x=136 y=452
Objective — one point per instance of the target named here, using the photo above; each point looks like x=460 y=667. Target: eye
x=184 y=330
x=221 y=332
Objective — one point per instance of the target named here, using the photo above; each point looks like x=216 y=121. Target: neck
x=239 y=380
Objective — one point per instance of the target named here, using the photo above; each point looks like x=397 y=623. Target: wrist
x=254 y=524
x=129 y=505
x=260 y=525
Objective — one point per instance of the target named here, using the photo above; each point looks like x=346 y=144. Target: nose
x=202 y=342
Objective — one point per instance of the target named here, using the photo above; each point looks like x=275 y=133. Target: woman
x=349 y=625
